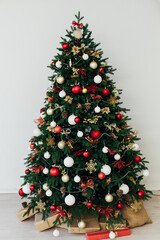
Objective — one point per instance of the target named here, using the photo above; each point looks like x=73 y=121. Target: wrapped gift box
x=91 y=225
x=105 y=226
x=105 y=234
x=21 y=213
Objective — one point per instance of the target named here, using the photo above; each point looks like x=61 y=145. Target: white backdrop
x=129 y=32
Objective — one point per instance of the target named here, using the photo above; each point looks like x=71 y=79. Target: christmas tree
x=84 y=157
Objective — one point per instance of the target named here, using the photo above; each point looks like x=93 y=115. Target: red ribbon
x=89 y=184
x=79 y=25
x=106 y=212
x=37 y=170
x=92 y=88
x=39 y=121
x=82 y=71
x=60 y=212
x=94 y=97
x=111 y=152
x=78 y=153
x=119 y=164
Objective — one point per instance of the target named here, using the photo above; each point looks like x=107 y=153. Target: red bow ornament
x=96 y=97
x=60 y=212
x=106 y=212
x=92 y=88
x=89 y=184
x=37 y=170
x=39 y=121
x=79 y=25
x=120 y=164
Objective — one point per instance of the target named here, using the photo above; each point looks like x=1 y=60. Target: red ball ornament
x=54 y=172
x=119 y=116
x=53 y=208
x=86 y=154
x=52 y=63
x=27 y=171
x=120 y=205
x=50 y=99
x=95 y=134
x=32 y=146
x=89 y=204
x=42 y=110
x=141 y=193
x=137 y=159
x=77 y=119
x=76 y=89
x=101 y=175
x=65 y=46
x=101 y=70
x=105 y=91
x=21 y=193
x=32 y=187
x=57 y=129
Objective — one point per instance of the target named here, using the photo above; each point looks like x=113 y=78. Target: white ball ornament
x=40 y=142
x=146 y=173
x=93 y=65
x=117 y=156
x=105 y=149
x=109 y=198
x=81 y=224
x=135 y=147
x=56 y=233
x=26 y=188
x=85 y=56
x=71 y=119
x=53 y=124
x=61 y=144
x=50 y=111
x=79 y=134
x=45 y=187
x=62 y=94
x=97 y=109
x=37 y=132
x=65 y=178
x=60 y=79
x=97 y=79
x=47 y=155
x=106 y=169
x=112 y=235
x=68 y=162
x=124 y=188
x=70 y=200
x=48 y=193
x=45 y=171
x=77 y=34
x=77 y=179
x=58 y=64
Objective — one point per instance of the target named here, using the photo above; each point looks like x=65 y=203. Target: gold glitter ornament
x=50 y=141
x=105 y=110
x=75 y=50
x=91 y=166
x=68 y=99
x=112 y=100
x=40 y=205
x=87 y=105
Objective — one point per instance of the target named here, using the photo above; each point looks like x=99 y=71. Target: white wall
x=30 y=31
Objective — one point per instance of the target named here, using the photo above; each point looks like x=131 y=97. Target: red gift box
x=105 y=234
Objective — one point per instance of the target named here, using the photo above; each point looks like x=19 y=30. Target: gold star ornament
x=112 y=100
x=40 y=205
x=50 y=141
x=90 y=166
x=75 y=50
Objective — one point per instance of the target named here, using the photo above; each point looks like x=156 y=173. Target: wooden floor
x=12 y=229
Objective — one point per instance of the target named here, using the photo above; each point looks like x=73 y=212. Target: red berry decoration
x=50 y=99
x=32 y=187
x=76 y=89
x=27 y=171
x=54 y=172
x=137 y=159
x=53 y=208
x=119 y=116
x=65 y=46
x=21 y=193
x=89 y=204
x=120 y=205
x=57 y=129
x=86 y=154
x=105 y=91
x=77 y=119
x=141 y=193
x=32 y=146
x=101 y=70
x=95 y=134
x=101 y=175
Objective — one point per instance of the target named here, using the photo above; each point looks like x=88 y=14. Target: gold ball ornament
x=77 y=34
x=93 y=65
x=50 y=111
x=81 y=224
x=61 y=144
x=109 y=198
x=84 y=90
x=60 y=79
x=65 y=178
